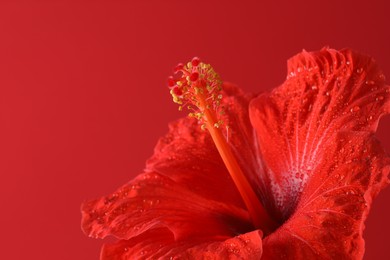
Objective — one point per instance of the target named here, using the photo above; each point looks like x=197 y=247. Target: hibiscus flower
x=289 y=174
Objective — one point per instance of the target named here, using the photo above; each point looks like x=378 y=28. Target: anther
x=194 y=76
x=177 y=91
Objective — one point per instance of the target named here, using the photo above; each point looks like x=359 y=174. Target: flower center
x=197 y=87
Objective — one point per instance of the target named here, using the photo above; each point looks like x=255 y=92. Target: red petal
x=143 y=246
x=246 y=246
x=188 y=155
x=319 y=154
x=329 y=219
x=156 y=201
x=327 y=92
x=160 y=243
x=186 y=191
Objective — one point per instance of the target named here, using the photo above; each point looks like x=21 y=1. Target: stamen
x=200 y=87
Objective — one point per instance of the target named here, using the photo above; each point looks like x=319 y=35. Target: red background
x=83 y=97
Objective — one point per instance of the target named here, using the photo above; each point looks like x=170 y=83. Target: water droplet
x=355 y=109
x=379 y=98
x=370 y=82
x=136 y=228
x=359 y=70
x=314 y=87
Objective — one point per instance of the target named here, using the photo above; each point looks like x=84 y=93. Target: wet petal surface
x=320 y=157
x=326 y=93
x=184 y=204
x=159 y=243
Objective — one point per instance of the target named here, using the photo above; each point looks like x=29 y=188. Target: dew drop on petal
x=355 y=109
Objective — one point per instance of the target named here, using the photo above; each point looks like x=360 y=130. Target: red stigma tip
x=171 y=82
x=178 y=67
x=177 y=91
x=194 y=76
x=195 y=61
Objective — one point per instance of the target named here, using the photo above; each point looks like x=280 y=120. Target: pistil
x=197 y=87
